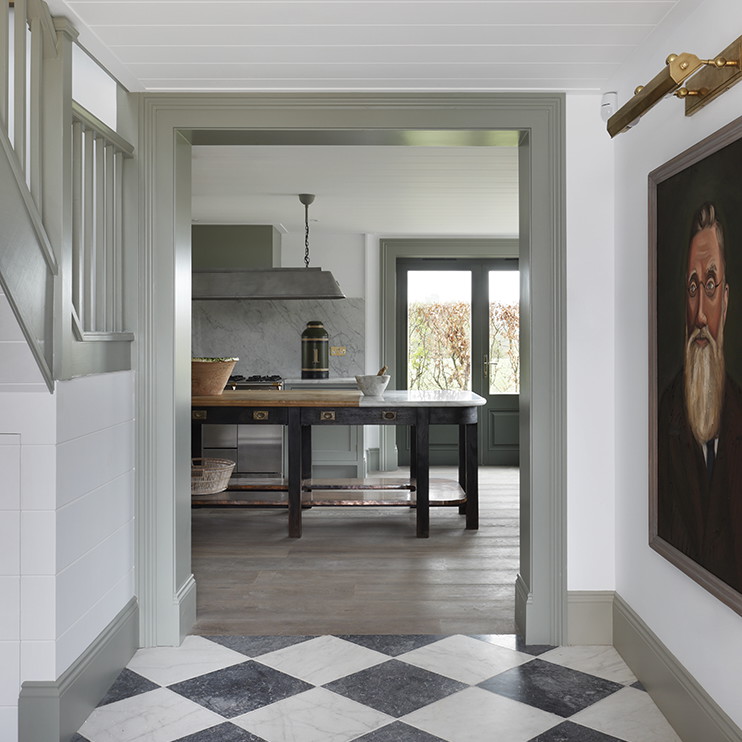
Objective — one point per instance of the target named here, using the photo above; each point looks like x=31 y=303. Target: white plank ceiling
x=363 y=45
x=199 y=45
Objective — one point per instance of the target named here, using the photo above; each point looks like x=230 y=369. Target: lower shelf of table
x=442 y=492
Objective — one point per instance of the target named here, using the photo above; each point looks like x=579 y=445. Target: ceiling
x=363 y=45
x=388 y=190
x=240 y=45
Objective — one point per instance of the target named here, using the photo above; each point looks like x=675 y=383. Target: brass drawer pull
x=327 y=415
x=389 y=415
x=260 y=415
x=198 y=415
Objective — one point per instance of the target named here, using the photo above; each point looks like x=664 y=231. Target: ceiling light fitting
x=706 y=80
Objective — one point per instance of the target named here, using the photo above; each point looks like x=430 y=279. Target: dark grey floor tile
x=570 y=732
x=551 y=687
x=513 y=641
x=395 y=688
x=240 y=688
x=79 y=738
x=126 y=685
x=638 y=685
x=222 y=733
x=398 y=732
x=392 y=644
x=254 y=646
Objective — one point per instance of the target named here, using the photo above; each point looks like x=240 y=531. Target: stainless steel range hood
x=266 y=283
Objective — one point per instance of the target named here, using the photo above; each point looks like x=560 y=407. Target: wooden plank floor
x=360 y=570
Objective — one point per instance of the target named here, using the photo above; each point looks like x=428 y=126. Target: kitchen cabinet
x=338 y=451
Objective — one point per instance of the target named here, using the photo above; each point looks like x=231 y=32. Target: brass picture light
x=705 y=79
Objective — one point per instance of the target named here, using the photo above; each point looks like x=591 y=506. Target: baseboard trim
x=52 y=711
x=590 y=616
x=373 y=456
x=522 y=599
x=678 y=695
x=185 y=601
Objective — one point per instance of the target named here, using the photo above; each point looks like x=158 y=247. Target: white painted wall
x=66 y=525
x=93 y=88
x=94 y=534
x=590 y=361
x=18 y=369
x=700 y=631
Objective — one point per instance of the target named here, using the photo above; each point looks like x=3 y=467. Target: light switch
x=337 y=350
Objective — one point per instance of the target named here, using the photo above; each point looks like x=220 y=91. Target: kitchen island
x=300 y=410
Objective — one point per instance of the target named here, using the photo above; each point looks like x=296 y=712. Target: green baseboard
x=52 y=711
x=694 y=715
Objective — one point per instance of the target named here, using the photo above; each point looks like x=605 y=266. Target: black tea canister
x=315 y=352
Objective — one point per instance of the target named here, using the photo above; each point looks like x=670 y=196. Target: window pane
x=439 y=330
x=504 y=325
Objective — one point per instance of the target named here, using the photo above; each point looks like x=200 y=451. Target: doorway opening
x=166 y=586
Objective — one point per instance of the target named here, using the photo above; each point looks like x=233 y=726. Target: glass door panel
x=439 y=329
x=503 y=359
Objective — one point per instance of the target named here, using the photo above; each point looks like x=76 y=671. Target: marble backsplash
x=266 y=334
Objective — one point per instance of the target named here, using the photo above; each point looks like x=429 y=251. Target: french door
x=457 y=324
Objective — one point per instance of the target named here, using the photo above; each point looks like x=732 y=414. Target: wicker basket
x=209 y=476
x=209 y=375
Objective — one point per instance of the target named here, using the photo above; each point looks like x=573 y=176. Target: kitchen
x=396 y=191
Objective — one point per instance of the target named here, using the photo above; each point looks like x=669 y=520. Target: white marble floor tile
x=628 y=714
x=602 y=661
x=157 y=716
x=464 y=659
x=315 y=716
x=195 y=656
x=321 y=660
x=476 y=715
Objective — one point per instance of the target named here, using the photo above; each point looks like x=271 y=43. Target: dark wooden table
x=300 y=410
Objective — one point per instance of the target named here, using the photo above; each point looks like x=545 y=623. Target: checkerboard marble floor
x=381 y=688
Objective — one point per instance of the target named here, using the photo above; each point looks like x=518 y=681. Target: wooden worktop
x=281 y=398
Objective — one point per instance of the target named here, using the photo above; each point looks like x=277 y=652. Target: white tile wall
x=10 y=543
x=85 y=463
x=10 y=492
x=109 y=507
x=73 y=642
x=39 y=477
x=38 y=609
x=38 y=542
x=10 y=609
x=38 y=660
x=81 y=585
x=9 y=327
x=18 y=363
x=33 y=416
x=10 y=661
x=111 y=394
x=95 y=508
x=10 y=580
x=9 y=722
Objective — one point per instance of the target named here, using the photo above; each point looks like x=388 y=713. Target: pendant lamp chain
x=306 y=199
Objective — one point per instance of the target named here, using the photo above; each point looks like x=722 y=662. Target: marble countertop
x=339 y=398
x=407 y=398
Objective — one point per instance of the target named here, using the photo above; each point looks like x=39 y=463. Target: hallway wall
x=66 y=526
x=698 y=629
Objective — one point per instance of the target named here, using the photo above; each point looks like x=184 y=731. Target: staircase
x=62 y=204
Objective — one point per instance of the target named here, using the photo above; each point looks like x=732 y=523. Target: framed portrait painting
x=695 y=354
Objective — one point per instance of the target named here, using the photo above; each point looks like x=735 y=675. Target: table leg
x=295 y=471
x=422 y=470
x=195 y=439
x=306 y=457
x=462 y=464
x=472 y=477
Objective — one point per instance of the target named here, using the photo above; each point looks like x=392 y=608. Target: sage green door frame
x=444 y=450
x=165 y=585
